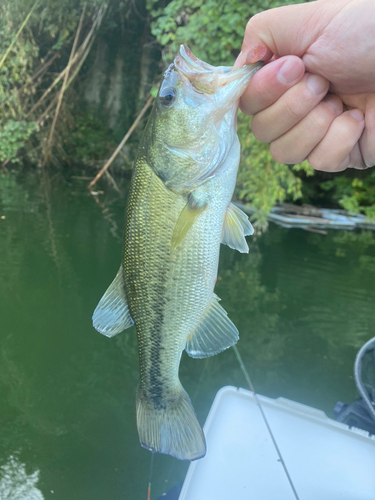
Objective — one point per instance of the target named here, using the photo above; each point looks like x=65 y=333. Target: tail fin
x=171 y=427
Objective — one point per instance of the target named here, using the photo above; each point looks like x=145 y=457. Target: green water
x=303 y=303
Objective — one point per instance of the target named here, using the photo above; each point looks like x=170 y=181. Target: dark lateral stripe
x=148 y=301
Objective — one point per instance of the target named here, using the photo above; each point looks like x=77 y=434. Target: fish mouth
x=207 y=79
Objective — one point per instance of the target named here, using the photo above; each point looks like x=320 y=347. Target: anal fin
x=111 y=315
x=214 y=334
x=236 y=227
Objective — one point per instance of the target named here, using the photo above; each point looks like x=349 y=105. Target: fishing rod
x=257 y=400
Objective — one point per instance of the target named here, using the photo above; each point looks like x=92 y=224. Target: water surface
x=303 y=303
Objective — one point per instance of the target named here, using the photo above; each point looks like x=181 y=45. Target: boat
x=296 y=453
x=277 y=449
x=312 y=218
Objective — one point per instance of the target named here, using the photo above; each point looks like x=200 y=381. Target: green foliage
x=154 y=92
x=86 y=140
x=13 y=196
x=261 y=180
x=13 y=136
x=212 y=29
x=358 y=243
x=17 y=56
x=29 y=30
x=16 y=68
x=356 y=194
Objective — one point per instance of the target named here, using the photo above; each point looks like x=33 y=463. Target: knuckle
x=355 y=159
x=267 y=93
x=367 y=155
x=245 y=107
x=368 y=163
x=259 y=132
x=293 y=109
x=260 y=136
x=318 y=163
x=279 y=154
x=255 y=22
x=343 y=165
x=344 y=138
x=321 y=118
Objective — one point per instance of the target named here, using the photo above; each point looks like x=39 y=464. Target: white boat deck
x=325 y=459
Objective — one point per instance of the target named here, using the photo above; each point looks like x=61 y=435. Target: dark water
x=303 y=303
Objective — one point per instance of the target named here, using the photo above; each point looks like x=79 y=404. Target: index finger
x=270 y=83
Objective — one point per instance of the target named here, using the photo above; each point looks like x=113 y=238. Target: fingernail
x=334 y=102
x=289 y=72
x=317 y=84
x=257 y=53
x=357 y=114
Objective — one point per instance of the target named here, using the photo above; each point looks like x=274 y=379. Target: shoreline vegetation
x=77 y=79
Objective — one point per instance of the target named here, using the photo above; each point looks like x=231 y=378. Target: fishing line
x=150 y=477
x=203 y=372
x=250 y=384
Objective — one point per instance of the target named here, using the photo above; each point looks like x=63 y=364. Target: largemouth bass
x=178 y=213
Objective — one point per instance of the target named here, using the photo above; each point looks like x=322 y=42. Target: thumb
x=288 y=30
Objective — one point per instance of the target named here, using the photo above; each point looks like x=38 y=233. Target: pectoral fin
x=188 y=216
x=111 y=315
x=215 y=333
x=236 y=227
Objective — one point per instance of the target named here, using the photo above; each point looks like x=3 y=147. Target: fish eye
x=167 y=96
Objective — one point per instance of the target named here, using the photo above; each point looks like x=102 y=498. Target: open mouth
x=205 y=78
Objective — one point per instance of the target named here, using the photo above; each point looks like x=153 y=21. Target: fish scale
x=148 y=256
x=178 y=213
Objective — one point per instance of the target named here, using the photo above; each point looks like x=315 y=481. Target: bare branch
x=61 y=95
x=120 y=146
x=80 y=53
x=18 y=34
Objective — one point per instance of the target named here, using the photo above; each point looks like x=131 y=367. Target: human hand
x=333 y=40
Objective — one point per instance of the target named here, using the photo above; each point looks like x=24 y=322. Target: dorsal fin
x=111 y=315
x=236 y=227
x=214 y=334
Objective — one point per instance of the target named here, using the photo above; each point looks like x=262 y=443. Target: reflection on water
x=303 y=304
x=16 y=483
